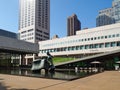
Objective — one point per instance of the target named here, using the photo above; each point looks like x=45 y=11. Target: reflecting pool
x=61 y=75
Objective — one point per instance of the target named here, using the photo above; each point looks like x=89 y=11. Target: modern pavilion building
x=85 y=42
x=9 y=34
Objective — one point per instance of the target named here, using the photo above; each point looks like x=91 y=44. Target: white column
x=26 y=63
x=33 y=57
x=20 y=59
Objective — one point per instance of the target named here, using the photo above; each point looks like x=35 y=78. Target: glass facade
x=116 y=10
x=8 y=34
x=109 y=15
x=104 y=20
x=82 y=47
x=89 y=46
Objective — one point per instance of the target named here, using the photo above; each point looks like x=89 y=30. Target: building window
x=91 y=38
x=30 y=30
x=105 y=37
x=77 y=47
x=109 y=36
x=96 y=46
x=91 y=46
x=107 y=44
x=102 y=37
x=86 y=46
x=98 y=37
x=113 y=44
x=117 y=35
x=113 y=35
x=95 y=38
x=81 y=47
x=101 y=45
x=118 y=43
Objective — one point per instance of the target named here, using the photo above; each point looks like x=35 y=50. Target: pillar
x=20 y=60
x=26 y=61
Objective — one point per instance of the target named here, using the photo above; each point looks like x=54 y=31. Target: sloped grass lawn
x=57 y=60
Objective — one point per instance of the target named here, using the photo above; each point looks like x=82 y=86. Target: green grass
x=57 y=60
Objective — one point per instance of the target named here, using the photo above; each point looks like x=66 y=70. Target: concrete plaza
x=108 y=80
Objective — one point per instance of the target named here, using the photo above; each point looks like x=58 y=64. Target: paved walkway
x=109 y=80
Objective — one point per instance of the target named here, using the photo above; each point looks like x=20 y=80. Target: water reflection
x=62 y=75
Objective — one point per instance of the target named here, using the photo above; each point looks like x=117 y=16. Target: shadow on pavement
x=20 y=89
x=2 y=87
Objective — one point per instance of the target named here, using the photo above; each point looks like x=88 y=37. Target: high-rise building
x=105 y=17
x=34 y=20
x=109 y=15
x=116 y=10
x=73 y=25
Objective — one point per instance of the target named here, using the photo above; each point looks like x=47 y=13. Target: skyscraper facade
x=34 y=20
x=109 y=15
x=104 y=17
x=116 y=10
x=34 y=23
x=73 y=25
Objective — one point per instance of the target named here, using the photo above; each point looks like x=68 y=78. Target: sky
x=60 y=10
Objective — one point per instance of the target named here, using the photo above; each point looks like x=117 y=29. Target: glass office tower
x=109 y=15
x=105 y=17
x=116 y=10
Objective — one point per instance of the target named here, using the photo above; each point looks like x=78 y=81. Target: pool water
x=60 y=75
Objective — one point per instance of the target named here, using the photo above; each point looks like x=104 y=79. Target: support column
x=33 y=57
x=26 y=61
x=20 y=60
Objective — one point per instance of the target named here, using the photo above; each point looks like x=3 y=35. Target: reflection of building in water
x=86 y=42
